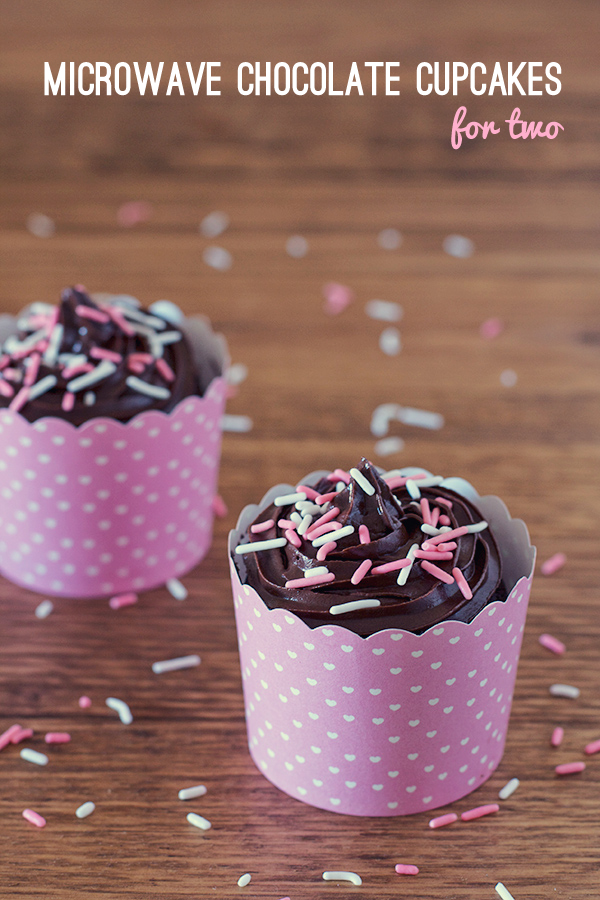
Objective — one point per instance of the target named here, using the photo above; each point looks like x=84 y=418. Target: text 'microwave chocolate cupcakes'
x=380 y=618
x=110 y=441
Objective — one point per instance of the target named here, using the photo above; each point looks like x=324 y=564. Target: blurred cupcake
x=110 y=425
x=380 y=619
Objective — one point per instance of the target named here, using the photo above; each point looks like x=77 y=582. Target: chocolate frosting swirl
x=393 y=519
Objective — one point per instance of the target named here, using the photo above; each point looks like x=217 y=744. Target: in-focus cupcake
x=110 y=442
x=380 y=619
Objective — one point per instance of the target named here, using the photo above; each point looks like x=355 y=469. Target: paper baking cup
x=108 y=507
x=391 y=724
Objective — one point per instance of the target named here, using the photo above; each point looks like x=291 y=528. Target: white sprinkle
x=432 y=481
x=40 y=387
x=389 y=239
x=430 y=529
x=135 y=315
x=412 y=489
x=509 y=788
x=189 y=793
x=243 y=880
x=102 y=371
x=318 y=570
x=236 y=373
x=333 y=535
x=72 y=359
x=51 y=352
x=168 y=311
x=308 y=508
x=382 y=415
x=565 y=690
x=475 y=528
x=44 y=609
x=384 y=310
x=255 y=546
x=167 y=337
x=405 y=572
x=362 y=482
x=240 y=424
x=16 y=346
x=32 y=756
x=142 y=387
x=121 y=708
x=287 y=499
x=218 y=258
x=340 y=486
x=296 y=246
x=458 y=246
x=214 y=224
x=176 y=589
x=171 y=665
x=342 y=876
x=508 y=378
x=40 y=225
x=389 y=445
x=296 y=518
x=304 y=525
x=37 y=308
x=198 y=821
x=89 y=398
x=353 y=605
x=125 y=301
x=390 y=342
x=503 y=892
x=85 y=810
x=420 y=418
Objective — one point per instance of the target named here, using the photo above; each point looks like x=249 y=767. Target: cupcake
x=110 y=423
x=380 y=618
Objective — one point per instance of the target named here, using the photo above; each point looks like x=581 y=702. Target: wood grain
x=336 y=172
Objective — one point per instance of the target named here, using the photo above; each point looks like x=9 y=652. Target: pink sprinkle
x=218 y=506
x=310 y=492
x=20 y=400
x=552 y=643
x=88 y=312
x=443 y=500
x=397 y=481
x=337 y=297
x=425 y=511
x=145 y=358
x=133 y=212
x=557 y=736
x=339 y=475
x=4 y=361
x=57 y=737
x=391 y=566
x=68 y=401
x=81 y=369
x=325 y=498
x=231 y=390
x=432 y=554
x=478 y=811
x=570 y=768
x=293 y=538
x=262 y=526
x=84 y=702
x=22 y=735
x=491 y=328
x=164 y=369
x=32 y=816
x=313 y=580
x=102 y=353
x=448 y=535
x=594 y=747
x=286 y=524
x=136 y=367
x=11 y=373
x=435 y=516
x=313 y=533
x=6 y=390
x=7 y=736
x=326 y=517
x=361 y=571
x=363 y=534
x=462 y=583
x=444 y=520
x=402 y=869
x=442 y=548
x=324 y=549
x=32 y=370
x=443 y=820
x=553 y=564
x=437 y=572
x=122 y=600
x=117 y=316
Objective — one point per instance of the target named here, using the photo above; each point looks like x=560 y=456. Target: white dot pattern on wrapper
x=121 y=482
x=426 y=744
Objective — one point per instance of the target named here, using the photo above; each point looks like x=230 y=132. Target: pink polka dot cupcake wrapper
x=109 y=506
x=392 y=724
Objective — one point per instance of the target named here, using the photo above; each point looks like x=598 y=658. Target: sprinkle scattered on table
x=569 y=768
x=384 y=310
x=214 y=224
x=458 y=246
x=389 y=239
x=243 y=880
x=478 y=811
x=509 y=788
x=390 y=342
x=34 y=817
x=552 y=643
x=121 y=709
x=198 y=821
x=44 y=609
x=557 y=736
x=296 y=246
x=564 y=690
x=508 y=378
x=239 y=424
x=389 y=445
x=440 y=821
x=57 y=737
x=594 y=747
x=133 y=212
x=122 y=600
x=553 y=564
x=337 y=297
x=236 y=373
x=491 y=329
x=198 y=790
x=503 y=892
x=342 y=876
x=33 y=756
x=84 y=702
x=403 y=869
x=40 y=225
x=218 y=258
x=176 y=589
x=171 y=665
x=85 y=810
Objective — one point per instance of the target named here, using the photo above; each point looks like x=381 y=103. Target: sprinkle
x=342 y=876
x=405 y=572
x=310 y=492
x=293 y=538
x=476 y=527
x=20 y=400
x=40 y=225
x=553 y=564
x=198 y=821
x=171 y=665
x=32 y=816
x=288 y=499
x=42 y=386
x=167 y=337
x=390 y=342
x=424 y=481
x=102 y=353
x=243 y=880
x=152 y=322
x=387 y=446
x=444 y=501
x=508 y=378
x=95 y=315
x=296 y=518
x=99 y=373
x=509 y=788
x=218 y=506
x=190 y=793
x=503 y=892
x=213 y=224
x=296 y=246
x=255 y=546
x=89 y=398
x=122 y=600
x=462 y=583
x=443 y=520
x=569 y=768
x=594 y=747
x=76 y=369
x=323 y=529
x=363 y=534
x=383 y=310
x=316 y=570
x=362 y=482
x=326 y=498
x=491 y=328
x=414 y=491
x=52 y=350
x=333 y=535
x=84 y=702
x=218 y=258
x=286 y=524
x=557 y=736
x=22 y=735
x=394 y=479
x=337 y=297
x=176 y=589
x=85 y=810
x=403 y=869
x=57 y=737
x=43 y=609
x=6 y=390
x=478 y=811
x=448 y=535
x=328 y=516
x=133 y=212
x=144 y=358
x=437 y=572
x=314 y=580
x=32 y=756
x=324 y=549
x=121 y=708
x=117 y=317
x=339 y=475
x=419 y=418
x=7 y=736
x=262 y=526
x=341 y=608
x=389 y=239
x=165 y=370
x=552 y=643
x=305 y=524
x=458 y=246
x=394 y=565
x=361 y=571
x=143 y=387
x=433 y=555
x=32 y=369
x=424 y=503
x=440 y=821
x=564 y=690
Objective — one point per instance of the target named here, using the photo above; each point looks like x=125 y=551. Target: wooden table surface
x=337 y=171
